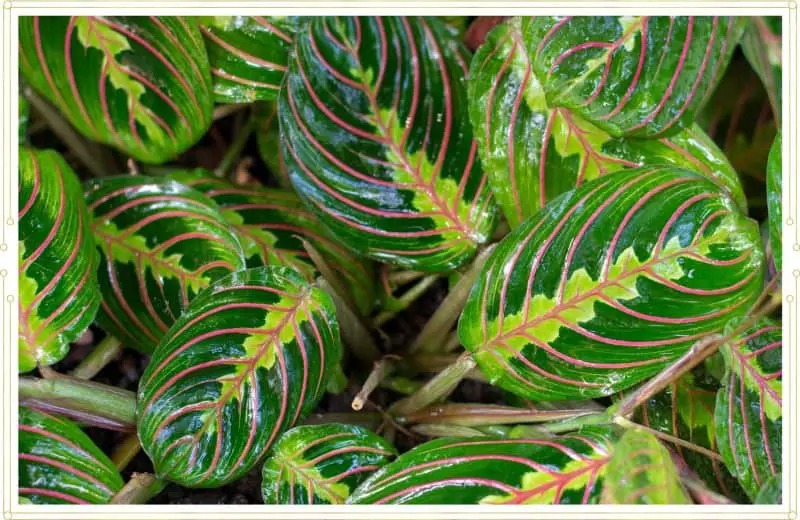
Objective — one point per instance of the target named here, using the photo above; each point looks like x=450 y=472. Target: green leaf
x=24 y=119
x=642 y=472
x=534 y=151
x=249 y=358
x=322 y=464
x=378 y=142
x=643 y=76
x=268 y=138
x=139 y=84
x=58 y=295
x=748 y=414
x=774 y=201
x=248 y=55
x=761 y=44
x=685 y=409
x=771 y=492
x=160 y=244
x=59 y=464
x=569 y=469
x=271 y=224
x=610 y=283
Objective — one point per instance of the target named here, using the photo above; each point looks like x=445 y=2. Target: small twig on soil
x=381 y=369
x=105 y=352
x=140 y=489
x=124 y=453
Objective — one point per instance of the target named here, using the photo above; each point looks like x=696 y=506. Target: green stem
x=403 y=277
x=140 y=489
x=223 y=111
x=589 y=419
x=401 y=385
x=434 y=333
x=402 y=303
x=470 y=414
x=329 y=274
x=437 y=388
x=369 y=420
x=105 y=352
x=100 y=405
x=446 y=430
x=124 y=453
x=236 y=147
x=625 y=423
x=354 y=333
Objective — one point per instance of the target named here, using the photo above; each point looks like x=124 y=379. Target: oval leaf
x=559 y=470
x=642 y=76
x=641 y=472
x=761 y=44
x=57 y=261
x=378 y=142
x=322 y=464
x=250 y=357
x=140 y=84
x=774 y=201
x=748 y=412
x=534 y=151
x=160 y=244
x=248 y=55
x=271 y=225
x=609 y=283
x=59 y=464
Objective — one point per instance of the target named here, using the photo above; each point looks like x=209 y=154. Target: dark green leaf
x=249 y=358
x=140 y=84
x=59 y=464
x=322 y=464
x=160 y=244
x=378 y=142
x=58 y=295
x=774 y=201
x=771 y=492
x=609 y=283
x=761 y=44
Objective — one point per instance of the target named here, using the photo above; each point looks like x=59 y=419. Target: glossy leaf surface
x=643 y=76
x=271 y=223
x=761 y=44
x=160 y=244
x=57 y=259
x=59 y=464
x=561 y=470
x=641 y=471
x=378 y=141
x=249 y=358
x=248 y=55
x=534 y=151
x=774 y=200
x=748 y=414
x=322 y=464
x=609 y=283
x=140 y=84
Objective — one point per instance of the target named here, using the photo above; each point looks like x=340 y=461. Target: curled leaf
x=774 y=201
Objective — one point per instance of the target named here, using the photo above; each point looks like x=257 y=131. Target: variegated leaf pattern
x=248 y=55
x=378 y=142
x=568 y=469
x=250 y=357
x=268 y=138
x=685 y=409
x=533 y=151
x=271 y=225
x=140 y=84
x=748 y=413
x=322 y=464
x=641 y=471
x=641 y=76
x=160 y=244
x=59 y=463
x=761 y=44
x=611 y=282
x=774 y=201
x=58 y=295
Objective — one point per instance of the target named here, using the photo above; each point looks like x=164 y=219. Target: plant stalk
x=329 y=274
x=105 y=352
x=404 y=277
x=140 y=489
x=380 y=370
x=437 y=388
x=354 y=333
x=403 y=302
x=625 y=423
x=470 y=414
x=235 y=148
x=446 y=430
x=124 y=453
x=369 y=420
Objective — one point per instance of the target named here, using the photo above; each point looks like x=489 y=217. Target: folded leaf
x=774 y=201
x=748 y=414
x=249 y=358
x=569 y=469
x=57 y=260
x=160 y=244
x=59 y=464
x=140 y=84
x=271 y=224
x=609 y=283
x=641 y=472
x=761 y=44
x=322 y=464
x=378 y=142
x=642 y=76
x=248 y=55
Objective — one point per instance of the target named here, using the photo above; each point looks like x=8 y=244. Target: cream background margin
x=9 y=265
